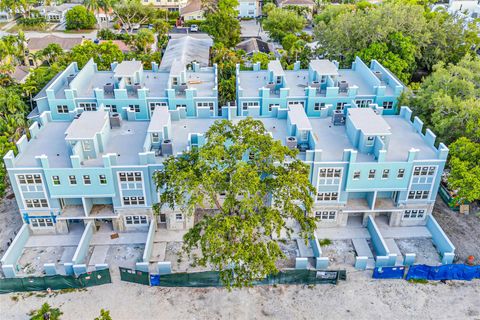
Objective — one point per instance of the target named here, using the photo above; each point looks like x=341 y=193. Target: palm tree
x=46 y=312
x=92 y=5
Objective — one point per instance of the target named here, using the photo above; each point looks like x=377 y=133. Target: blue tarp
x=154 y=279
x=388 y=273
x=445 y=272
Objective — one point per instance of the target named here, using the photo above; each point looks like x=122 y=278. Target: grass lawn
x=40 y=28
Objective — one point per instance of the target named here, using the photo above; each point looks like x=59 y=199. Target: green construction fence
x=56 y=282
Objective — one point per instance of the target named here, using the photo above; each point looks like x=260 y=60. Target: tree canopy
x=280 y=22
x=263 y=186
x=404 y=35
x=464 y=174
x=221 y=22
x=79 y=18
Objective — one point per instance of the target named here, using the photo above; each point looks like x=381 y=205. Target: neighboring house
x=55 y=13
x=300 y=3
x=249 y=8
x=254 y=45
x=102 y=134
x=37 y=44
x=170 y=5
x=104 y=17
x=6 y=16
x=192 y=11
x=20 y=74
x=469 y=7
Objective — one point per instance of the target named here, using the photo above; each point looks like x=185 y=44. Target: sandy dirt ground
x=360 y=297
x=463 y=230
x=10 y=221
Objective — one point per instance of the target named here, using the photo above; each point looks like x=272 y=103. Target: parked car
x=194 y=28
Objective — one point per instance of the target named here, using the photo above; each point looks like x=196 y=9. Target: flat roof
x=324 y=67
x=127 y=68
x=370 y=123
x=276 y=67
x=160 y=118
x=298 y=117
x=50 y=141
x=87 y=126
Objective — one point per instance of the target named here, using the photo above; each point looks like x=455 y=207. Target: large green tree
x=79 y=18
x=263 y=186
x=132 y=12
x=464 y=176
x=104 y=54
x=448 y=100
x=281 y=22
x=144 y=40
x=221 y=22
x=226 y=60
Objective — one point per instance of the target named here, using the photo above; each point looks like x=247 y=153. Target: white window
x=319 y=106
x=247 y=104
x=400 y=173
x=136 y=220
x=304 y=135
x=387 y=105
x=356 y=175
x=30 y=182
x=131 y=180
x=422 y=175
x=371 y=174
x=62 y=109
x=329 y=176
x=87 y=145
x=88 y=106
x=72 y=179
x=326 y=215
x=41 y=222
x=87 y=180
x=271 y=105
x=291 y=103
x=133 y=201
x=56 y=180
x=341 y=105
x=418 y=195
x=181 y=106
x=102 y=178
x=179 y=217
x=327 y=196
x=134 y=107
x=413 y=214
x=385 y=174
x=111 y=107
x=36 y=203
x=363 y=103
x=210 y=105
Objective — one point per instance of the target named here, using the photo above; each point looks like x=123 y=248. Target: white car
x=194 y=28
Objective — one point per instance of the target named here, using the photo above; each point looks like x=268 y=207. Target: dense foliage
x=221 y=22
x=261 y=191
x=79 y=18
x=405 y=36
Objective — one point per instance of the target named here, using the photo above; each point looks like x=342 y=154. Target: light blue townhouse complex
x=99 y=137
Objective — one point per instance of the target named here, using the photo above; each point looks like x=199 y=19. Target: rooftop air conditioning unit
x=115 y=120
x=343 y=86
x=182 y=87
x=108 y=88
x=167 y=147
x=291 y=142
x=338 y=118
x=315 y=84
x=378 y=74
x=137 y=86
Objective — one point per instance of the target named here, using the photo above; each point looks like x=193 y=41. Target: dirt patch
x=180 y=262
x=423 y=248
x=10 y=220
x=340 y=253
x=289 y=248
x=32 y=259
x=463 y=231
x=124 y=256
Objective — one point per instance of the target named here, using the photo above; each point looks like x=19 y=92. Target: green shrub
x=31 y=22
x=79 y=18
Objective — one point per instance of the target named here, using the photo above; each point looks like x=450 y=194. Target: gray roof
x=127 y=68
x=160 y=118
x=186 y=50
x=89 y=124
x=299 y=118
x=276 y=67
x=366 y=120
x=324 y=67
x=41 y=43
x=253 y=45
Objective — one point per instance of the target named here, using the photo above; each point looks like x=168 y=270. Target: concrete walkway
x=164 y=235
x=103 y=238
x=345 y=233
x=54 y=240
